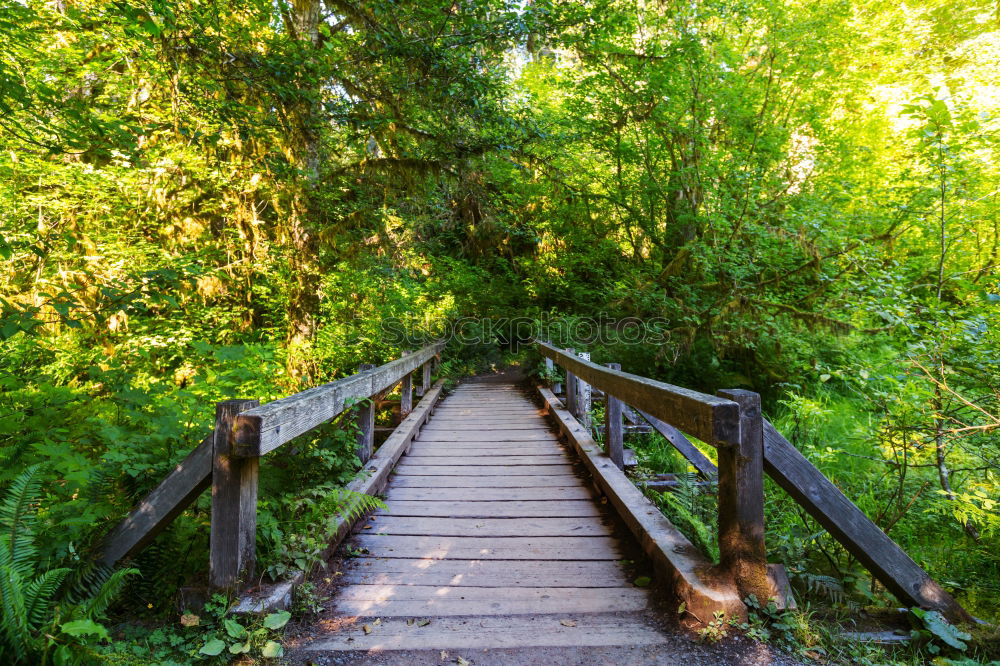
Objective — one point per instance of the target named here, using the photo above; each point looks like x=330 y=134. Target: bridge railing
x=747 y=446
x=228 y=459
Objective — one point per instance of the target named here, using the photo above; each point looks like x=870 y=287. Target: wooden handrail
x=265 y=428
x=227 y=461
x=752 y=448
x=848 y=524
x=709 y=418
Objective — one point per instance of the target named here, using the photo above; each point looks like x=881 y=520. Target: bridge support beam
x=613 y=433
x=232 y=542
x=406 y=394
x=584 y=396
x=425 y=384
x=366 y=423
x=571 y=386
x=742 y=552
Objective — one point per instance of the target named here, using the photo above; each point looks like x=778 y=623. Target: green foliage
x=214 y=636
x=933 y=627
x=38 y=622
x=798 y=198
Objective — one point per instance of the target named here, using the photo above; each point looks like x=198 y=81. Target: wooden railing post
x=742 y=552
x=613 y=425
x=570 y=386
x=406 y=394
x=583 y=396
x=425 y=382
x=366 y=422
x=232 y=542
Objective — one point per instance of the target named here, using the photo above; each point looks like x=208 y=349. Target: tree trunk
x=304 y=299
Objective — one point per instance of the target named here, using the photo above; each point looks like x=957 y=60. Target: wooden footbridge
x=507 y=524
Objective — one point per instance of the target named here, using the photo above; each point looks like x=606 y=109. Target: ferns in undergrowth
x=691 y=511
x=37 y=618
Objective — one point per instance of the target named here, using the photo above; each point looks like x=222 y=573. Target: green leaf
x=944 y=630
x=277 y=620
x=239 y=648
x=272 y=650
x=234 y=628
x=642 y=581
x=78 y=628
x=213 y=647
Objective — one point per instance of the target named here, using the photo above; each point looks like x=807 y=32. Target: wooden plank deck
x=493 y=535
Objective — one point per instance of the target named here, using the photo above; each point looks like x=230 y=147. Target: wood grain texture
x=366 y=423
x=741 y=500
x=462 y=461
x=691 y=575
x=491 y=548
x=495 y=436
x=494 y=509
x=484 y=573
x=495 y=633
x=472 y=481
x=267 y=427
x=483 y=522
x=440 y=601
x=545 y=492
x=486 y=526
x=233 y=536
x=707 y=417
x=564 y=469
x=853 y=529
x=614 y=438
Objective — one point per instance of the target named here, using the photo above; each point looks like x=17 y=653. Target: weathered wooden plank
x=572 y=492
x=425 y=379
x=233 y=537
x=675 y=558
x=494 y=633
x=464 y=508
x=707 y=417
x=571 y=384
x=366 y=423
x=484 y=404
x=438 y=601
x=406 y=393
x=485 y=470
x=459 y=461
x=164 y=503
x=530 y=419
x=435 y=427
x=439 y=450
x=613 y=434
x=267 y=427
x=853 y=529
x=487 y=526
x=381 y=464
x=508 y=481
x=741 y=500
x=490 y=548
x=697 y=459
x=584 y=395
x=484 y=573
x=535 y=444
x=495 y=436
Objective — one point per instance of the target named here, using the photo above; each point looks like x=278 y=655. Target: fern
x=16 y=633
x=355 y=505
x=96 y=606
x=29 y=597
x=39 y=595
x=17 y=523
